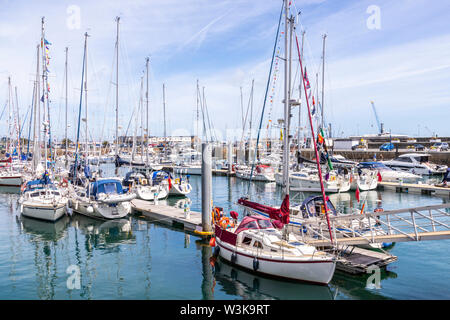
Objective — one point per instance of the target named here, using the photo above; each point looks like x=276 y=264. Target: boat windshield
x=421 y=159
x=264 y=224
x=375 y=165
x=252 y=225
x=108 y=188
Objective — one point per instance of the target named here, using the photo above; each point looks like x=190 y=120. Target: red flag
x=170 y=184
x=379 y=176
x=357 y=194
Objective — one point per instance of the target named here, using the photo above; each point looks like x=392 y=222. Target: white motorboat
x=103 y=199
x=179 y=187
x=415 y=163
x=191 y=169
x=256 y=245
x=306 y=180
x=261 y=173
x=9 y=178
x=364 y=180
x=42 y=200
x=388 y=174
x=141 y=185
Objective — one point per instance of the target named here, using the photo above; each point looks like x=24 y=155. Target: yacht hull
x=102 y=210
x=44 y=212
x=305 y=269
x=11 y=181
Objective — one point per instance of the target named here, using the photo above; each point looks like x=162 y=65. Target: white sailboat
x=258 y=244
x=102 y=199
x=41 y=198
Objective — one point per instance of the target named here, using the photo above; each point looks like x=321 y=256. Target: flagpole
x=66 y=143
x=315 y=145
x=323 y=76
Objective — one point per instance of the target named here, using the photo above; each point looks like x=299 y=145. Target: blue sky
x=404 y=66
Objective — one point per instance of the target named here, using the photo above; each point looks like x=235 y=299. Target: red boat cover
x=245 y=223
x=9 y=160
x=281 y=214
x=225 y=236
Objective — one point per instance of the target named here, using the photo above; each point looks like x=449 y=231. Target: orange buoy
x=212 y=242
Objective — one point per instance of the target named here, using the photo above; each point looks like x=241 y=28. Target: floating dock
x=418 y=188
x=171 y=216
x=356 y=260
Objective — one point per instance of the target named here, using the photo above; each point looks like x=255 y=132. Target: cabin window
x=403 y=159
x=247 y=241
x=263 y=224
x=252 y=225
x=258 y=244
x=108 y=188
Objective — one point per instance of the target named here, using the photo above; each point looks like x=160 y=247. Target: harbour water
x=138 y=259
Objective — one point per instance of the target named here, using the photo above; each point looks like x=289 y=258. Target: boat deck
x=418 y=188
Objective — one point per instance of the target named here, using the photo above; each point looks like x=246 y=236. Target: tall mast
x=67 y=144
x=250 y=124
x=242 y=109
x=44 y=88
x=18 y=126
x=86 y=150
x=79 y=109
x=37 y=118
x=300 y=106
x=117 y=87
x=146 y=103
x=198 y=119
x=141 y=112
x=9 y=137
x=287 y=72
x=323 y=76
x=164 y=110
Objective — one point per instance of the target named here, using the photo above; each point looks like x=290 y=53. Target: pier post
x=230 y=158
x=206 y=187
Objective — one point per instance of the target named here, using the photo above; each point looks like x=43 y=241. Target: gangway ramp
x=411 y=224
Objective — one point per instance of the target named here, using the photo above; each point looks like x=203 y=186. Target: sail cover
x=281 y=214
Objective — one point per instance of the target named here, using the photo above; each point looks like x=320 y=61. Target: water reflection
x=236 y=281
x=104 y=234
x=354 y=286
x=44 y=230
x=9 y=190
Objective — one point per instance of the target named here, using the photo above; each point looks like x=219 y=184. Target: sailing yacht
x=306 y=180
x=42 y=199
x=257 y=245
x=141 y=185
x=104 y=198
x=264 y=244
x=261 y=173
x=364 y=180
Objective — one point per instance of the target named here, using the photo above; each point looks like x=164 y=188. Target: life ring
x=64 y=183
x=378 y=210
x=216 y=214
x=225 y=223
